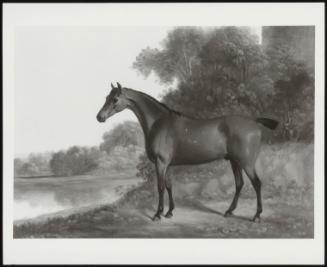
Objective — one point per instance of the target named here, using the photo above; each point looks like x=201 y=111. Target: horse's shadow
x=201 y=207
x=195 y=204
x=146 y=214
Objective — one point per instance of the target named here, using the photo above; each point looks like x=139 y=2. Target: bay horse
x=172 y=138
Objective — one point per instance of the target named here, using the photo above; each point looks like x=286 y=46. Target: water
x=39 y=196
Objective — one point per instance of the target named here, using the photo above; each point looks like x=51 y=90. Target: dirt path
x=192 y=219
x=198 y=220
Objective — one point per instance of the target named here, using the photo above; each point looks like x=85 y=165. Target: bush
x=120 y=159
x=36 y=164
x=76 y=160
x=126 y=134
x=146 y=169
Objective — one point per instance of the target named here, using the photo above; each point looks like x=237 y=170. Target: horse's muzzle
x=100 y=118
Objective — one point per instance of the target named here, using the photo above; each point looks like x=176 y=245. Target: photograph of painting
x=162 y=131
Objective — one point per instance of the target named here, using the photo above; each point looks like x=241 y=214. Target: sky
x=62 y=76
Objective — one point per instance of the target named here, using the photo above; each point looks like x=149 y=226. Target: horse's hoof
x=169 y=214
x=156 y=218
x=256 y=219
x=228 y=214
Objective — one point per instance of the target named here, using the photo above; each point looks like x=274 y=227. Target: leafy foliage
x=225 y=70
x=76 y=160
x=146 y=169
x=126 y=134
x=120 y=159
x=177 y=59
x=36 y=164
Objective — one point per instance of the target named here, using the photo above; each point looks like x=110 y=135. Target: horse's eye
x=115 y=100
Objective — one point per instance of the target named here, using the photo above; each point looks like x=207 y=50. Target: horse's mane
x=158 y=102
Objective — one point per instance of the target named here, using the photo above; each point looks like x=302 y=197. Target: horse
x=172 y=138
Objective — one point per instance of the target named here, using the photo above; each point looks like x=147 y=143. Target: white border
x=167 y=251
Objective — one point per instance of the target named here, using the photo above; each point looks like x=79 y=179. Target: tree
x=41 y=160
x=75 y=161
x=234 y=53
x=18 y=164
x=231 y=73
x=128 y=133
x=57 y=163
x=294 y=85
x=36 y=164
x=178 y=57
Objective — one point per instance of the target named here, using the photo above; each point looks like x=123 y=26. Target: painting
x=176 y=132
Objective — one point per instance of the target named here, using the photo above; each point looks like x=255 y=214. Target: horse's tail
x=269 y=123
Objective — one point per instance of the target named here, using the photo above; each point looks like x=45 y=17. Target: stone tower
x=300 y=38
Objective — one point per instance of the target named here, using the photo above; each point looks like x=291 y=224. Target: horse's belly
x=195 y=158
x=196 y=150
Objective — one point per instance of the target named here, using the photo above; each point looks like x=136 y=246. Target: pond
x=39 y=196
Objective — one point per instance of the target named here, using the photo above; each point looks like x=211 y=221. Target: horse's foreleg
x=168 y=184
x=161 y=168
x=238 y=187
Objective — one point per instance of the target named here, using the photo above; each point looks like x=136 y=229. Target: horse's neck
x=146 y=109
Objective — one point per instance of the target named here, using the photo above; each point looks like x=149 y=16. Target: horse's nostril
x=100 y=118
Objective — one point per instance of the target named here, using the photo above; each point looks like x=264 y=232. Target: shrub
x=76 y=160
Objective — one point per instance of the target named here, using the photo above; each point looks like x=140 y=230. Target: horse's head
x=115 y=102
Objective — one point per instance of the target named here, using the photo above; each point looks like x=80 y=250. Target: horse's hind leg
x=238 y=187
x=168 y=184
x=256 y=183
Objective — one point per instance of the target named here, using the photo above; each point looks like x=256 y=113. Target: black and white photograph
x=165 y=131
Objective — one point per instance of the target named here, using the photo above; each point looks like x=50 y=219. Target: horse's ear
x=119 y=88
x=112 y=86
